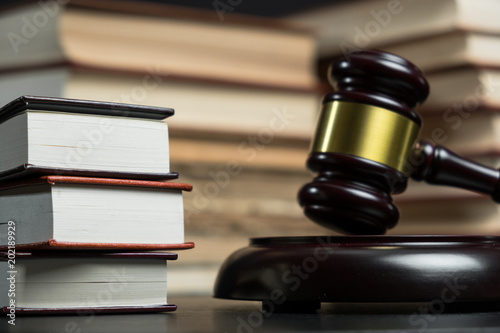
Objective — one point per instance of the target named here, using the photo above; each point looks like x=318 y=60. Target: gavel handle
x=437 y=165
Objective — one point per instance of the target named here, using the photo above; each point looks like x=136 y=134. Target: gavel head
x=365 y=134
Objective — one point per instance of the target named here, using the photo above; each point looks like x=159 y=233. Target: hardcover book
x=93 y=213
x=346 y=26
x=83 y=282
x=43 y=135
x=177 y=41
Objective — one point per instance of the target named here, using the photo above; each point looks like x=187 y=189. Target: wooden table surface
x=205 y=314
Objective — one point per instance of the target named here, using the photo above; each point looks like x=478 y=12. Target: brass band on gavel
x=366 y=131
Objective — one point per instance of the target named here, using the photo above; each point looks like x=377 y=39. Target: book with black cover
x=83 y=282
x=45 y=135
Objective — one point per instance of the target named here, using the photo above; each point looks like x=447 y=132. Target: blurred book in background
x=352 y=25
x=246 y=91
x=130 y=36
x=219 y=75
x=245 y=96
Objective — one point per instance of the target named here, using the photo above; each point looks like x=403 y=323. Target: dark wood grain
x=208 y=315
x=437 y=165
x=378 y=78
x=444 y=270
x=351 y=194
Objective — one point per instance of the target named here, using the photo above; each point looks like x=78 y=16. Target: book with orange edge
x=70 y=213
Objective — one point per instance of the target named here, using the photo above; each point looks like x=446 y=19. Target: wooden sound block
x=297 y=274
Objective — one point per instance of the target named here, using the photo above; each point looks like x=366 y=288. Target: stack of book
x=85 y=197
x=456 y=44
x=244 y=89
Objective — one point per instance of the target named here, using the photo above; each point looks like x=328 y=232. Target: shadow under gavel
x=365 y=147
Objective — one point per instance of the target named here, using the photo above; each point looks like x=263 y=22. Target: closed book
x=470 y=132
x=200 y=105
x=84 y=283
x=440 y=211
x=79 y=137
x=450 y=50
x=172 y=40
x=463 y=90
x=347 y=26
x=436 y=52
x=92 y=213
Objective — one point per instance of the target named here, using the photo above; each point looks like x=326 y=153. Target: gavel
x=366 y=147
